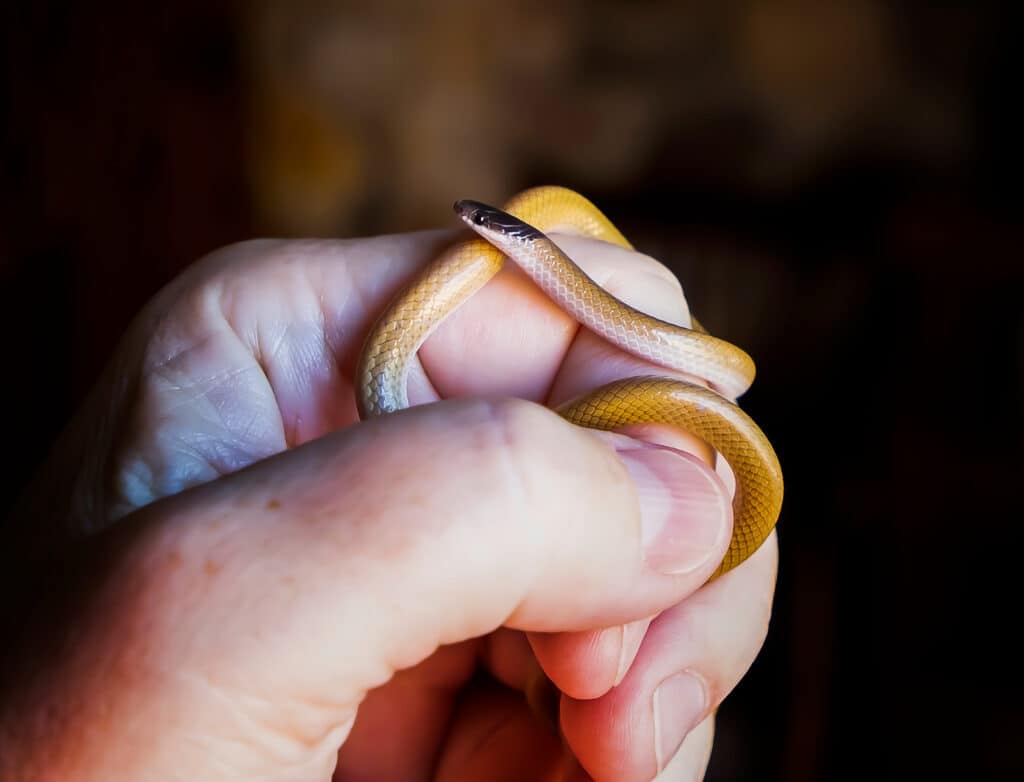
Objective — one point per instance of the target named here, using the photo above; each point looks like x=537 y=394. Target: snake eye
x=479 y=218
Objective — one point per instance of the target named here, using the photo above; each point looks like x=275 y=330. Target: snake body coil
x=518 y=232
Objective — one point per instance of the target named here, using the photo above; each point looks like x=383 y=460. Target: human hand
x=274 y=582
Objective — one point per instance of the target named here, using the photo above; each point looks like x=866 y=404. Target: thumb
x=270 y=601
x=450 y=520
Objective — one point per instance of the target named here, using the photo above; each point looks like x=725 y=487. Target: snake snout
x=473 y=212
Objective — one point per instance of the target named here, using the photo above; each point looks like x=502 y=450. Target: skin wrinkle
x=225 y=424
x=248 y=430
x=319 y=359
x=267 y=716
x=324 y=350
x=137 y=470
x=266 y=361
x=159 y=367
x=338 y=334
x=151 y=475
x=266 y=357
x=254 y=351
x=263 y=360
x=189 y=346
x=203 y=388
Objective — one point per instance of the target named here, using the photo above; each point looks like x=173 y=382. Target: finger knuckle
x=519 y=441
x=647 y=264
x=518 y=434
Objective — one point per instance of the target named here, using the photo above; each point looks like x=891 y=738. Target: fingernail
x=685 y=509
x=632 y=636
x=679 y=704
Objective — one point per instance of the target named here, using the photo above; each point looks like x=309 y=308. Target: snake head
x=496 y=226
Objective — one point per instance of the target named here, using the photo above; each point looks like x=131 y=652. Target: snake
x=518 y=231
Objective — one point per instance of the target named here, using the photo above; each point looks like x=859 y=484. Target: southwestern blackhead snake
x=517 y=232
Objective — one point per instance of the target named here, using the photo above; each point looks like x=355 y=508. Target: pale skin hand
x=233 y=622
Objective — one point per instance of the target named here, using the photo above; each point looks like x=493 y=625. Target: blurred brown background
x=832 y=181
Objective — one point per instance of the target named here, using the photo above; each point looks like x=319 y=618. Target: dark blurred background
x=834 y=182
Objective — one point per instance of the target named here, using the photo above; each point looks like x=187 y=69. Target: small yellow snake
x=517 y=232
